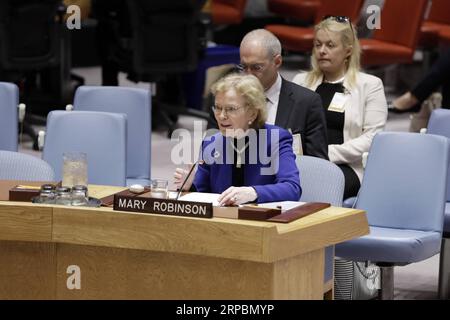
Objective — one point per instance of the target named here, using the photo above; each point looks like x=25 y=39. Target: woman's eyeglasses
x=229 y=111
x=340 y=19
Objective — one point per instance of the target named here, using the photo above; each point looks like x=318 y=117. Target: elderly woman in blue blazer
x=248 y=160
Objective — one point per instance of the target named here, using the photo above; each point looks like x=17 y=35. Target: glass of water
x=75 y=170
x=159 y=188
x=80 y=196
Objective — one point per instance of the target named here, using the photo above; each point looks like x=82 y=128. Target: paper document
x=212 y=198
x=285 y=205
x=201 y=197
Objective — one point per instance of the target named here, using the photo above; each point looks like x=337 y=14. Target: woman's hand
x=237 y=195
x=180 y=174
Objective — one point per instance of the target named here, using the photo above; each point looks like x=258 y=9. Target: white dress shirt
x=272 y=96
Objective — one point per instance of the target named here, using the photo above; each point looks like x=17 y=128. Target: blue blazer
x=269 y=165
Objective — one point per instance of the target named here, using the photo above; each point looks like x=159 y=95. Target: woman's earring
x=250 y=122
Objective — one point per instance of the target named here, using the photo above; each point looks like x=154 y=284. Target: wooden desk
x=125 y=255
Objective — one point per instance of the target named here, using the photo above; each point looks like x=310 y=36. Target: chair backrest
x=402 y=31
x=172 y=23
x=321 y=181
x=440 y=11
x=439 y=124
x=21 y=166
x=304 y=10
x=404 y=181
x=227 y=11
x=348 y=8
x=9 y=100
x=237 y=4
x=29 y=34
x=101 y=135
x=136 y=104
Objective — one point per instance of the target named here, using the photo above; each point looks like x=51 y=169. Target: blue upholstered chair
x=9 y=100
x=101 y=135
x=439 y=124
x=322 y=181
x=21 y=166
x=403 y=192
x=136 y=104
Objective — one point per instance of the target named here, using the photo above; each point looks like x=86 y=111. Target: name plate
x=163 y=206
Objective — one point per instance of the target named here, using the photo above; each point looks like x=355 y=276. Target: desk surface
x=217 y=237
x=123 y=255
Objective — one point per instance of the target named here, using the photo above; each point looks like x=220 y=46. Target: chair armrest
x=364 y=159
x=349 y=202
x=22 y=110
x=41 y=139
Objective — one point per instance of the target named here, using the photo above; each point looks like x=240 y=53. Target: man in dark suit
x=289 y=105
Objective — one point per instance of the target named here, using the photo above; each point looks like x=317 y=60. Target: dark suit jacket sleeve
x=316 y=141
x=287 y=180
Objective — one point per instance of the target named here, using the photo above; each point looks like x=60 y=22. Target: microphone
x=187 y=177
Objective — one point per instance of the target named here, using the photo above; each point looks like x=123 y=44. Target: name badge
x=297 y=144
x=338 y=103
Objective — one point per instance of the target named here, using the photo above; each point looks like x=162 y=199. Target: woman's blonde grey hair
x=249 y=87
x=349 y=38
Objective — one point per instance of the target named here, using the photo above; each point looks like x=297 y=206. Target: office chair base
x=29 y=130
x=168 y=114
x=444 y=270
x=166 y=119
x=386 y=292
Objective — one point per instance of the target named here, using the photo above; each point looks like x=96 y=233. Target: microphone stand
x=187 y=177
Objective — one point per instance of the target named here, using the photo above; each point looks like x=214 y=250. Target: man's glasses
x=340 y=19
x=229 y=111
x=256 y=67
